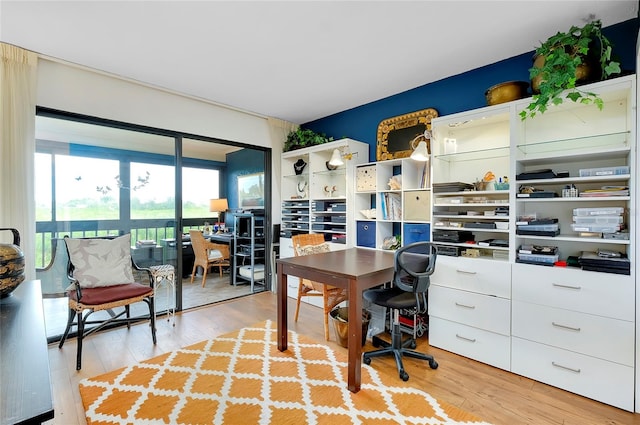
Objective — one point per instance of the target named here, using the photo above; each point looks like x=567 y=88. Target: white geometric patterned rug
x=242 y=378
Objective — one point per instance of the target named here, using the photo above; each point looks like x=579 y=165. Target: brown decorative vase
x=11 y=265
x=587 y=72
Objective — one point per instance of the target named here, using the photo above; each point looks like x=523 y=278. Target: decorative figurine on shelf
x=370 y=214
x=301 y=187
x=391 y=242
x=299 y=166
x=329 y=190
x=395 y=182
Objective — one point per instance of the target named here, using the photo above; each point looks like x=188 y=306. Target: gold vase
x=11 y=265
x=586 y=72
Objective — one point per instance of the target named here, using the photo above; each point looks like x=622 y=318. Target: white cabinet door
x=474 y=275
x=487 y=347
x=477 y=310
x=603 y=294
x=608 y=382
x=602 y=337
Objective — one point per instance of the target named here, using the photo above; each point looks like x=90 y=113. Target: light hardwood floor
x=492 y=394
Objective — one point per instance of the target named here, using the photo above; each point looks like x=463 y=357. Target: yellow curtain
x=18 y=76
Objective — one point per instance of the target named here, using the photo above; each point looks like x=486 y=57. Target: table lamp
x=220 y=206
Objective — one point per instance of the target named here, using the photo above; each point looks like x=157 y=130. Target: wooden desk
x=356 y=269
x=25 y=379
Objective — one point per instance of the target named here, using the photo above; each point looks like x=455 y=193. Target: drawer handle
x=464 y=271
x=466 y=306
x=571 y=328
x=466 y=339
x=565 y=367
x=567 y=286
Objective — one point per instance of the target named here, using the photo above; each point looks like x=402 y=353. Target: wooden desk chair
x=305 y=244
x=100 y=271
x=207 y=254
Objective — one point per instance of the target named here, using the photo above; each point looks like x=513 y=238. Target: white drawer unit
x=602 y=294
x=477 y=310
x=487 y=347
x=571 y=327
x=474 y=275
x=597 y=336
x=605 y=381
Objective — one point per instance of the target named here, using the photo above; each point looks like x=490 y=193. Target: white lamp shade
x=336 y=158
x=420 y=153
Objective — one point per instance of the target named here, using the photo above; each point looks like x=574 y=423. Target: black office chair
x=414 y=264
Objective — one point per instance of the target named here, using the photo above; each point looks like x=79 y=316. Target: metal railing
x=47 y=234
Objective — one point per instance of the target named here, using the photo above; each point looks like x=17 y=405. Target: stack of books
x=543 y=255
x=391 y=204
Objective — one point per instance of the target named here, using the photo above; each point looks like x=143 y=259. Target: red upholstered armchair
x=101 y=275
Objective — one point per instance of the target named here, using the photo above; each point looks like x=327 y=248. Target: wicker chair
x=85 y=300
x=331 y=295
x=207 y=254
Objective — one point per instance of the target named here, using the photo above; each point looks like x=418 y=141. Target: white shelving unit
x=561 y=325
x=410 y=218
x=319 y=199
x=470 y=293
x=575 y=329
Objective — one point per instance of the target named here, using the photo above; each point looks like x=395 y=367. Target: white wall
x=76 y=89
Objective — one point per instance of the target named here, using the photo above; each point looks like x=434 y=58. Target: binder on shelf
x=538 y=194
x=479 y=225
x=545 y=173
x=536 y=221
x=526 y=232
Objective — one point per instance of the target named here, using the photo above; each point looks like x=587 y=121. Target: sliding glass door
x=96 y=178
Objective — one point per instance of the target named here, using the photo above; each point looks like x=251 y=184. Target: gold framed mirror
x=395 y=134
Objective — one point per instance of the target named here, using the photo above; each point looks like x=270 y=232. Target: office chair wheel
x=404 y=375
x=413 y=344
x=366 y=360
x=433 y=364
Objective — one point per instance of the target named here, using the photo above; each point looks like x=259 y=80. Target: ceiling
x=294 y=60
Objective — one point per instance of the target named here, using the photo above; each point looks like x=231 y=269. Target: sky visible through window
x=88 y=188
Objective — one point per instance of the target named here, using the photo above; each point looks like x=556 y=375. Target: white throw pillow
x=101 y=262
x=312 y=249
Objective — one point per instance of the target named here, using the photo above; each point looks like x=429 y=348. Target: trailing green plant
x=304 y=137
x=563 y=54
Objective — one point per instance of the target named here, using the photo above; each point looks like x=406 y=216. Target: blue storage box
x=416 y=233
x=366 y=234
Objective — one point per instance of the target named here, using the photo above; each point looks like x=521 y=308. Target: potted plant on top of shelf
x=302 y=138
x=580 y=55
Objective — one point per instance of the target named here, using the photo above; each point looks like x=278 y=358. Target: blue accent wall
x=457 y=93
